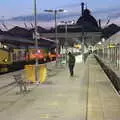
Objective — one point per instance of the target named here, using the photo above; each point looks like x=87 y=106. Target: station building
x=86 y=27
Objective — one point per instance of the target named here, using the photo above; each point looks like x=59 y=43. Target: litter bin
x=30 y=73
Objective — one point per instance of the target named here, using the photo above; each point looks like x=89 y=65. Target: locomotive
x=12 y=59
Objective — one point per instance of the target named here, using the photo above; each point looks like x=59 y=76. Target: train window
x=14 y=57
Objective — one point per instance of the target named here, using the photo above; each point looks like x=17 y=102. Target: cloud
x=73 y=12
x=104 y=14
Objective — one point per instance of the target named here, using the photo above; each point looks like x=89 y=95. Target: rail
x=20 y=82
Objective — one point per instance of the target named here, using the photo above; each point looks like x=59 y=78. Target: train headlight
x=5 y=60
x=38 y=51
x=5 y=46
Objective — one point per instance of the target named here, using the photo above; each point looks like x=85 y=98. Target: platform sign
x=111 y=46
x=37 y=35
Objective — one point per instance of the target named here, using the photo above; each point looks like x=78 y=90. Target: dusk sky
x=101 y=9
x=12 y=8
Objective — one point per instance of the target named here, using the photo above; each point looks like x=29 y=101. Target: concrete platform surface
x=89 y=95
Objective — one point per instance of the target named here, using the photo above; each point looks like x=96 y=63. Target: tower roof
x=87 y=19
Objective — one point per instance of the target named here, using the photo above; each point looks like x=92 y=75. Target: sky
x=12 y=8
x=100 y=8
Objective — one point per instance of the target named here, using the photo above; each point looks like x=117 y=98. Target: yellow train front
x=12 y=59
x=5 y=59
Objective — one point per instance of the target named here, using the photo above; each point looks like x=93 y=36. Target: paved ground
x=88 y=95
x=103 y=100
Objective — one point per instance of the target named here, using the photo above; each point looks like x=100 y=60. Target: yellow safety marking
x=60 y=95
x=44 y=116
x=54 y=104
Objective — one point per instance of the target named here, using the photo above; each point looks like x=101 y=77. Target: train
x=109 y=50
x=107 y=54
x=14 y=58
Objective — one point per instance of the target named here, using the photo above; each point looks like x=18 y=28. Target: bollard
x=30 y=73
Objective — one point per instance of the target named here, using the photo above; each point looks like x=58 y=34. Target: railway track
x=7 y=88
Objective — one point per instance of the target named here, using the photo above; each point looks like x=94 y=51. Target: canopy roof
x=23 y=37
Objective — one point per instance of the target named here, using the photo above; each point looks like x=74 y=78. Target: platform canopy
x=23 y=42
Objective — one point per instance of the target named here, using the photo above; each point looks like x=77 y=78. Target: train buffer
x=21 y=83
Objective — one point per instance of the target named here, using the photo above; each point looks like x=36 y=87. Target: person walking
x=71 y=63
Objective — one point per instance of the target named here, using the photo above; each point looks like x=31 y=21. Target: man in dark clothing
x=71 y=63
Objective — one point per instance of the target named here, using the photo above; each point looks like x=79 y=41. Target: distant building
x=86 y=26
x=86 y=23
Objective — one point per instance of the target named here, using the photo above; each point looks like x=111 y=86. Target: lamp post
x=66 y=33
x=36 y=40
x=55 y=15
x=103 y=47
x=83 y=40
x=3 y=23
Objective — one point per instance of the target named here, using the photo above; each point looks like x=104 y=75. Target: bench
x=20 y=82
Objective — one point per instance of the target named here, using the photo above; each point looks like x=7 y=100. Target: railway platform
x=88 y=95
